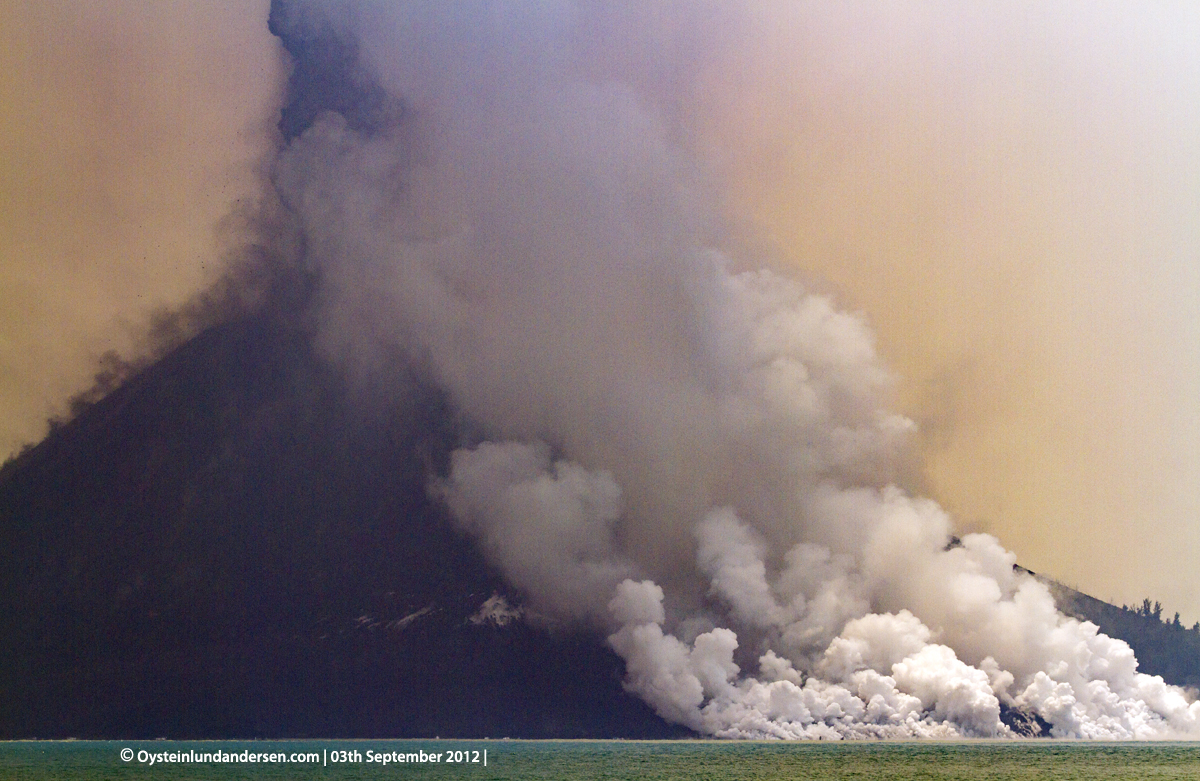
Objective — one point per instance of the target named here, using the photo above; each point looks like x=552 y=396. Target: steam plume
x=692 y=454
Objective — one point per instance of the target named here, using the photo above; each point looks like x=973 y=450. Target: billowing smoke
x=687 y=452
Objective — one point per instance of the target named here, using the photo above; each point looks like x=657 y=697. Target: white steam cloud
x=692 y=456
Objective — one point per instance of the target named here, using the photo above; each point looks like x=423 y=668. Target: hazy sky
x=1010 y=193
x=128 y=129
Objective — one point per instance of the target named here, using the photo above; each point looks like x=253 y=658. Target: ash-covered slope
x=222 y=547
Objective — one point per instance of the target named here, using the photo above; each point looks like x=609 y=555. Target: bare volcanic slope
x=228 y=546
x=221 y=547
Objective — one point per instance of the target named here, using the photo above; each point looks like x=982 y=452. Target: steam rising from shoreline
x=691 y=454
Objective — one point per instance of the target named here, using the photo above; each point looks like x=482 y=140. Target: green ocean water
x=980 y=761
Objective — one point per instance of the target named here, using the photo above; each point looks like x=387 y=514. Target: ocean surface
x=518 y=759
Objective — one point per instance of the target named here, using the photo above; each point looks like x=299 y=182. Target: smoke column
x=1012 y=194
x=678 y=445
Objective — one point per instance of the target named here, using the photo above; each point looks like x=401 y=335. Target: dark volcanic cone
x=226 y=546
x=219 y=548
x=667 y=443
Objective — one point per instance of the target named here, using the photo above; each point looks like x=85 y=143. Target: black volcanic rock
x=226 y=547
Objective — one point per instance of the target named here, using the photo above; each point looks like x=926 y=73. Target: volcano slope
x=226 y=546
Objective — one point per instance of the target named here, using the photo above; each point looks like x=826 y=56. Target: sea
x=478 y=760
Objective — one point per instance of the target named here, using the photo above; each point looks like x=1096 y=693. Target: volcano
x=226 y=546
x=222 y=547
x=522 y=376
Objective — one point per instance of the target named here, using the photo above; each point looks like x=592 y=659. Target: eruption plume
x=686 y=452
